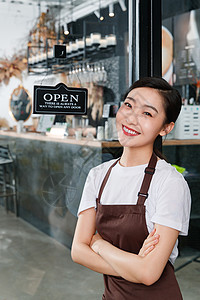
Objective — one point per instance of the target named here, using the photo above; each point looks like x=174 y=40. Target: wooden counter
x=180 y=142
x=67 y=140
x=84 y=141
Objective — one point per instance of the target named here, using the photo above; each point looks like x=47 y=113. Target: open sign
x=60 y=100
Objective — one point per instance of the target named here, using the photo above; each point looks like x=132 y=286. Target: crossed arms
x=93 y=252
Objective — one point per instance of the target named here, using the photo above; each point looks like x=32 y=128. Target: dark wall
x=117 y=25
x=172 y=8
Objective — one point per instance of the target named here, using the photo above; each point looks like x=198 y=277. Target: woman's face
x=141 y=118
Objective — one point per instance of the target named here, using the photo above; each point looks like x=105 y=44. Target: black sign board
x=59 y=51
x=60 y=100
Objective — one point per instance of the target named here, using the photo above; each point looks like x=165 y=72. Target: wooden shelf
x=180 y=142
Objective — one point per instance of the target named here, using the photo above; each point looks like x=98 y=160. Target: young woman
x=126 y=199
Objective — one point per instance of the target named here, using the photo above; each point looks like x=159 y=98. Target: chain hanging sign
x=60 y=100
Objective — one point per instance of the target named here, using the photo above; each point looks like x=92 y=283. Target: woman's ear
x=167 y=129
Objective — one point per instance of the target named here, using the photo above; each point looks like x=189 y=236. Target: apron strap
x=149 y=171
x=105 y=180
x=143 y=193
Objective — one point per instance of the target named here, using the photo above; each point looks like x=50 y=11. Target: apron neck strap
x=149 y=171
x=143 y=193
x=105 y=180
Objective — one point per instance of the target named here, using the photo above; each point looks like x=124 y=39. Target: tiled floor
x=34 y=266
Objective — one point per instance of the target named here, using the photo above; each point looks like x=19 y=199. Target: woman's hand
x=149 y=244
x=94 y=244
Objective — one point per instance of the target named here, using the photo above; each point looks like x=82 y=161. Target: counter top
x=69 y=140
x=180 y=142
x=84 y=141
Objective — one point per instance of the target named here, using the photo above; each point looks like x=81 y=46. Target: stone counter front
x=50 y=180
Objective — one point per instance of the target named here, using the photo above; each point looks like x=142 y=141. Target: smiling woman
x=138 y=204
x=142 y=115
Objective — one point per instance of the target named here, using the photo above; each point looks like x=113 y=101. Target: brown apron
x=125 y=227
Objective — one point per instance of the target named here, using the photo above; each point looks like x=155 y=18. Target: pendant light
x=111 y=10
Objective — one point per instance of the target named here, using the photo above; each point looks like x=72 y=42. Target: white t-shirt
x=169 y=197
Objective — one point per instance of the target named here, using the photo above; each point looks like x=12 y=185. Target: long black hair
x=171 y=100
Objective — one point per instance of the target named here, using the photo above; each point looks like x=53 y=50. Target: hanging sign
x=60 y=100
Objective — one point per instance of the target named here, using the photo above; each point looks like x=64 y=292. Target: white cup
x=100 y=133
x=20 y=126
x=78 y=134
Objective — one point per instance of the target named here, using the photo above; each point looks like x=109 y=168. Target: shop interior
x=47 y=157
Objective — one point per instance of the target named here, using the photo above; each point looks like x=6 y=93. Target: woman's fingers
x=152 y=233
x=148 y=250
x=150 y=243
x=153 y=239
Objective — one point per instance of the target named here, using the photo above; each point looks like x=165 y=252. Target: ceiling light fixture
x=111 y=10
x=101 y=17
x=66 y=30
x=97 y=14
x=122 y=4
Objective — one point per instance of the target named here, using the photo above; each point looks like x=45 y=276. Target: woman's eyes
x=146 y=113
x=128 y=104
